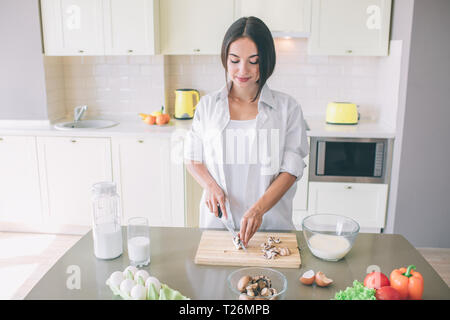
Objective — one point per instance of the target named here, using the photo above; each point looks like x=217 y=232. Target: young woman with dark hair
x=247 y=142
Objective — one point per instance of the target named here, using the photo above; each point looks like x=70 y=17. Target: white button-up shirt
x=280 y=142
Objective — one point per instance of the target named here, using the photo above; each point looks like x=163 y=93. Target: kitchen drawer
x=364 y=202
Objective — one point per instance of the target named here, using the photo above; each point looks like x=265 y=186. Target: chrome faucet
x=78 y=112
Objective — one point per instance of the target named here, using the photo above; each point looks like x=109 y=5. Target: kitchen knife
x=230 y=229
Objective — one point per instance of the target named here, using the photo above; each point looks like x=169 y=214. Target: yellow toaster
x=342 y=113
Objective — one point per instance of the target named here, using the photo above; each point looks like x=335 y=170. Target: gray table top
x=172 y=262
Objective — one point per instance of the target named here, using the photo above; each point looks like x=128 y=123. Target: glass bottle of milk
x=107 y=230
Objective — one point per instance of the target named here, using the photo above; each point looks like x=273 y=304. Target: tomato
x=387 y=293
x=376 y=280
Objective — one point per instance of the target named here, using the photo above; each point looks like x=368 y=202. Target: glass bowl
x=277 y=279
x=329 y=236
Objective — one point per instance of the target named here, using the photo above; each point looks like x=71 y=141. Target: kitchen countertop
x=364 y=129
x=131 y=125
x=172 y=262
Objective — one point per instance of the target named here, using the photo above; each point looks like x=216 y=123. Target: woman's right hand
x=215 y=196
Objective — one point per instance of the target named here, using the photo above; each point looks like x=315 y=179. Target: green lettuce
x=357 y=292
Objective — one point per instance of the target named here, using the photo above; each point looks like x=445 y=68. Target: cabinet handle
x=81 y=51
x=141 y=141
x=196 y=50
x=348 y=187
x=130 y=51
x=349 y=51
x=73 y=141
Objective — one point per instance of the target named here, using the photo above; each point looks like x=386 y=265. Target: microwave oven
x=359 y=160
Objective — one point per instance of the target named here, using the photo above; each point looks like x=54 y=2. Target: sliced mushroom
x=285 y=252
x=237 y=242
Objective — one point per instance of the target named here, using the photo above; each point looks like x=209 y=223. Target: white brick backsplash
x=330 y=70
x=94 y=82
x=120 y=70
x=117 y=59
x=317 y=59
x=101 y=70
x=109 y=83
x=139 y=60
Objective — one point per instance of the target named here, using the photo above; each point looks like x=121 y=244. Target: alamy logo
x=74 y=280
x=234 y=146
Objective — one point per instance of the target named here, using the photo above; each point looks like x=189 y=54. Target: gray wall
x=22 y=77
x=422 y=211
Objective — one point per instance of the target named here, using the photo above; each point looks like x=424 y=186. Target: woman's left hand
x=250 y=223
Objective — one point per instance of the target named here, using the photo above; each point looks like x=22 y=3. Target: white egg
x=155 y=282
x=127 y=285
x=116 y=278
x=130 y=268
x=138 y=292
x=141 y=273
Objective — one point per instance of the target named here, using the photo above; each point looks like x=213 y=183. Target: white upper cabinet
x=281 y=16
x=194 y=26
x=72 y=27
x=131 y=27
x=99 y=27
x=350 y=27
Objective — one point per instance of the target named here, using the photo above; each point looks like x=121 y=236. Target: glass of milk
x=138 y=236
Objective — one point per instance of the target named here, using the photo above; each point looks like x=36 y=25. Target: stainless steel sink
x=86 y=124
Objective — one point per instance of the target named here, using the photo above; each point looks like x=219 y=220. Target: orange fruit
x=150 y=119
x=160 y=119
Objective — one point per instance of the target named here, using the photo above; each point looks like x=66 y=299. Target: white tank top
x=237 y=163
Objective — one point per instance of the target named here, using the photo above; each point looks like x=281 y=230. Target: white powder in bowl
x=329 y=247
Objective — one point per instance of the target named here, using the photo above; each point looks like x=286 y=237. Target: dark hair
x=256 y=30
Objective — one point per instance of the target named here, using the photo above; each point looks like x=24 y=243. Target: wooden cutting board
x=217 y=248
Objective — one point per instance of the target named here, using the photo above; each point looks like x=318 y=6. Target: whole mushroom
x=243 y=283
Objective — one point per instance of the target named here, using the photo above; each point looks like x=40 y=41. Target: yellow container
x=342 y=113
x=185 y=102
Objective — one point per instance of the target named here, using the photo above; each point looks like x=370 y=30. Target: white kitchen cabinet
x=194 y=26
x=68 y=167
x=20 y=198
x=363 y=202
x=150 y=184
x=72 y=27
x=99 y=27
x=350 y=27
x=131 y=27
x=281 y=16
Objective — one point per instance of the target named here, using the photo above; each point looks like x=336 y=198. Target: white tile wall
x=389 y=84
x=54 y=79
x=130 y=84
